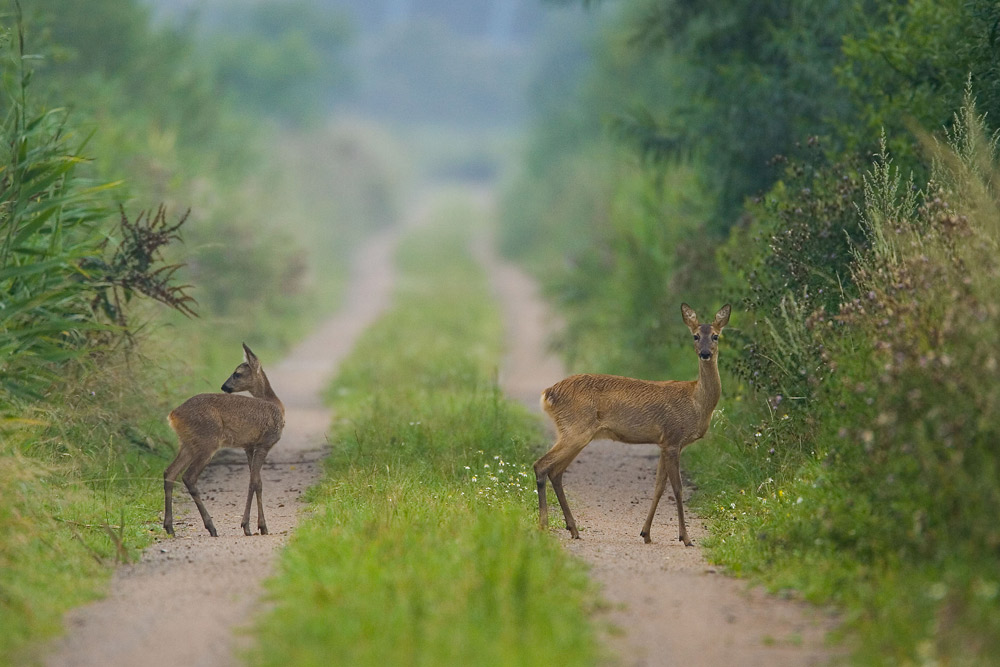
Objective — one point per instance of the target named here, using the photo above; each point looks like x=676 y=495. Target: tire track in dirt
x=189 y=599
x=667 y=604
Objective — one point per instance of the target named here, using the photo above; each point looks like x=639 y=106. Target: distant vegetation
x=832 y=169
x=284 y=60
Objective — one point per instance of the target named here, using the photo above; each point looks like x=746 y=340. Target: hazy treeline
x=830 y=168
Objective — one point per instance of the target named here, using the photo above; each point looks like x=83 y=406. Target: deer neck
x=709 y=386
x=265 y=392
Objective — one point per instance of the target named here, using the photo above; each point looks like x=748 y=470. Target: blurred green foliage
x=65 y=275
x=284 y=60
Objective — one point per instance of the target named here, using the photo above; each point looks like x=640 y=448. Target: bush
x=791 y=259
x=928 y=308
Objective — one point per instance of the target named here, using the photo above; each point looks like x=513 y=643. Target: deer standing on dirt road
x=206 y=423
x=671 y=414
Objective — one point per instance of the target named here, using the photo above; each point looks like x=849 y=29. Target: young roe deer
x=671 y=414
x=206 y=423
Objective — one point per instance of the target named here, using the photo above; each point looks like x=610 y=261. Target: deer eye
x=715 y=336
x=697 y=337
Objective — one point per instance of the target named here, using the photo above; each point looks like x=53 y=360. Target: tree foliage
x=284 y=60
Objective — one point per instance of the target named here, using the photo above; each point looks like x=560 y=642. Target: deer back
x=628 y=410
x=230 y=420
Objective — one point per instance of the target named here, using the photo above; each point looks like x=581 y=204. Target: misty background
x=457 y=81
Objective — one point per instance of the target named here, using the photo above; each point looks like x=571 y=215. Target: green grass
x=421 y=545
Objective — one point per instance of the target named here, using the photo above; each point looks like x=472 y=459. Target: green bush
x=790 y=258
x=875 y=493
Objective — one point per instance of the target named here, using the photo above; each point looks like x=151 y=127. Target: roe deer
x=208 y=422
x=671 y=414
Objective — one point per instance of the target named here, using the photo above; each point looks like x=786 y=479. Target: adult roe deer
x=671 y=414
x=206 y=423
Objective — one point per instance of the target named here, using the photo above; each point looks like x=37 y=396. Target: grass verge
x=784 y=509
x=421 y=546
x=81 y=479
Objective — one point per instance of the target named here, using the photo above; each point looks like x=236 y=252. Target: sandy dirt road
x=667 y=604
x=189 y=599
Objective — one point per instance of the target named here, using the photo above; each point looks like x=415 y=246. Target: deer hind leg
x=550 y=467
x=255 y=459
x=567 y=515
x=661 y=483
x=190 y=481
x=182 y=461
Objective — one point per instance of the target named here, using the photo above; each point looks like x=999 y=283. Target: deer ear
x=690 y=317
x=250 y=357
x=722 y=317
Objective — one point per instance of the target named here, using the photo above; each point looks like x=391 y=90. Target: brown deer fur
x=671 y=414
x=208 y=422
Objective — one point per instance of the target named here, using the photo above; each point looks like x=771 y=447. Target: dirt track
x=668 y=606
x=186 y=600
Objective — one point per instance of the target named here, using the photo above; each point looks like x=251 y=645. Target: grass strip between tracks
x=421 y=546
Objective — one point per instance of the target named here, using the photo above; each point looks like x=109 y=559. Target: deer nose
x=227 y=389
x=706 y=355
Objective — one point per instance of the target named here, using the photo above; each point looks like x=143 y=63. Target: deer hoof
x=645 y=537
x=246 y=529
x=263 y=530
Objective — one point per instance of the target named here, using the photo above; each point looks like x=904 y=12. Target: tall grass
x=421 y=547
x=81 y=482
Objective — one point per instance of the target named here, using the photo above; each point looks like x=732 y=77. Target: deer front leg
x=661 y=483
x=674 y=471
x=255 y=458
x=258 y=489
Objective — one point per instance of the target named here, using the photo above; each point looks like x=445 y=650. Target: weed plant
x=421 y=546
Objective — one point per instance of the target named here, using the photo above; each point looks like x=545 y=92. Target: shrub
x=791 y=258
